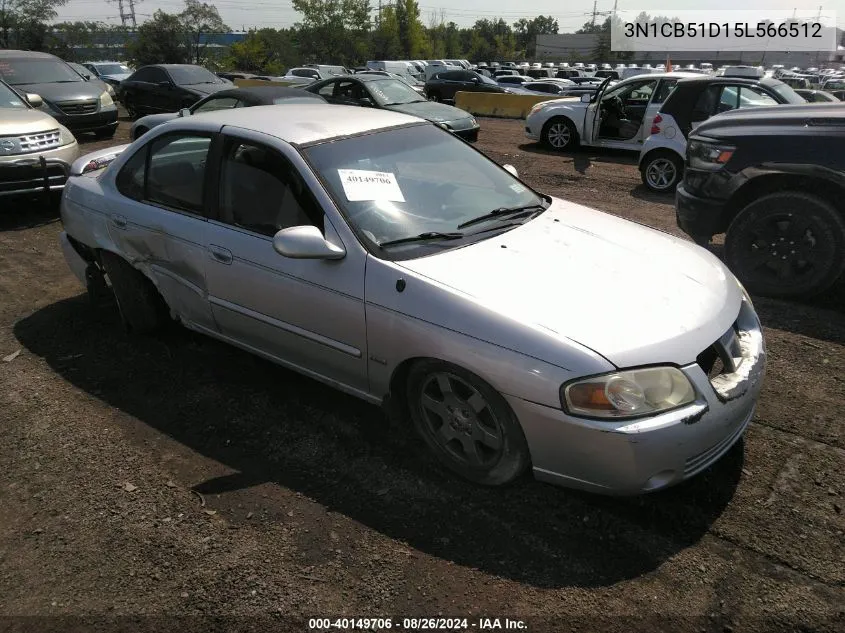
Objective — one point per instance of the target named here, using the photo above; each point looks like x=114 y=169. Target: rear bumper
x=104 y=119
x=36 y=174
x=697 y=217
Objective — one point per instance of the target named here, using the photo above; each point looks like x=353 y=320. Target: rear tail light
x=655 y=128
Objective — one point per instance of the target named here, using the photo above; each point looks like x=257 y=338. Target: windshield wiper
x=501 y=211
x=422 y=237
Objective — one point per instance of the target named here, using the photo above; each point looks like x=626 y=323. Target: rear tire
x=787 y=244
x=662 y=170
x=466 y=423
x=141 y=307
x=559 y=134
x=131 y=110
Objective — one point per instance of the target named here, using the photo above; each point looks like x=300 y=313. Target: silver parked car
x=378 y=253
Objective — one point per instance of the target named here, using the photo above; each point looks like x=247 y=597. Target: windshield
x=487 y=80
x=393 y=92
x=787 y=94
x=112 y=69
x=189 y=75
x=834 y=85
x=10 y=99
x=409 y=181
x=36 y=71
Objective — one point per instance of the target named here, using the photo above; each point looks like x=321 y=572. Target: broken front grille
x=728 y=361
x=88 y=106
x=40 y=141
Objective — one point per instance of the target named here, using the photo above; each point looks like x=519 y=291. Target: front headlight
x=106 y=100
x=110 y=90
x=537 y=107
x=628 y=394
x=65 y=136
x=708 y=156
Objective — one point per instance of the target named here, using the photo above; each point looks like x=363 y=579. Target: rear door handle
x=220 y=254
x=119 y=221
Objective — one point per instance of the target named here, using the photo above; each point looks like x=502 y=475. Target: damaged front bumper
x=647 y=454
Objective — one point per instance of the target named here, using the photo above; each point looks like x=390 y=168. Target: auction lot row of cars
x=374 y=249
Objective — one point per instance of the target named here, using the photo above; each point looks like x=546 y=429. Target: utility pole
x=127 y=15
x=595 y=3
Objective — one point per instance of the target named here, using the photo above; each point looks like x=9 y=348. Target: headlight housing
x=110 y=90
x=630 y=393
x=106 y=100
x=537 y=107
x=708 y=156
x=66 y=137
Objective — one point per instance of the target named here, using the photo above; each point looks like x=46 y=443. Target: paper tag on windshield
x=517 y=188
x=360 y=184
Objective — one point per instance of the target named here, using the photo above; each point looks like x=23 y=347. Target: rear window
x=37 y=71
x=190 y=75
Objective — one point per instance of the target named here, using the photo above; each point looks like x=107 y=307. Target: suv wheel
x=560 y=134
x=787 y=244
x=661 y=171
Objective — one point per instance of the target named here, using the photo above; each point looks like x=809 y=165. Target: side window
x=705 y=106
x=751 y=97
x=642 y=92
x=176 y=172
x=143 y=74
x=157 y=75
x=262 y=192
x=328 y=89
x=664 y=90
x=729 y=100
x=223 y=103
x=130 y=180
x=348 y=90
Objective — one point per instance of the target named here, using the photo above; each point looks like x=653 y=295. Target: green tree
x=336 y=31
x=67 y=39
x=200 y=22
x=159 y=41
x=267 y=51
x=23 y=23
x=386 y=42
x=526 y=32
x=411 y=30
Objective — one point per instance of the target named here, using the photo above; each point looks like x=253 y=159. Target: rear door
x=158 y=220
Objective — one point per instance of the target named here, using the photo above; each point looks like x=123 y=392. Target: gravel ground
x=175 y=482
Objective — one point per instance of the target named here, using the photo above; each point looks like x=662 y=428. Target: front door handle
x=220 y=254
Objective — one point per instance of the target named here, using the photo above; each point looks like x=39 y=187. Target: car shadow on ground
x=273 y=425
x=27 y=213
x=584 y=156
x=641 y=192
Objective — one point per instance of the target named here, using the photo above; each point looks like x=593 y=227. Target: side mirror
x=511 y=170
x=185 y=112
x=34 y=100
x=305 y=242
x=585 y=98
x=475 y=80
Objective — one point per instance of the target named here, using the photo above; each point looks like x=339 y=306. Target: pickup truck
x=769 y=179
x=617 y=116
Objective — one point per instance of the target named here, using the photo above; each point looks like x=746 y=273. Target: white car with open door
x=617 y=116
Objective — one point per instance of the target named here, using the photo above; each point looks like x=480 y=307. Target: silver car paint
x=345 y=322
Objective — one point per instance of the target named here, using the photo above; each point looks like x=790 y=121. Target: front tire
x=560 y=134
x=787 y=244
x=661 y=171
x=142 y=309
x=131 y=109
x=466 y=423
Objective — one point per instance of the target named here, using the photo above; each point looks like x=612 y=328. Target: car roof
x=695 y=78
x=782 y=113
x=305 y=123
x=13 y=54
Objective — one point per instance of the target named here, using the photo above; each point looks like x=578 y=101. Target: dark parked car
x=767 y=178
x=375 y=91
x=110 y=72
x=816 y=96
x=167 y=88
x=225 y=99
x=79 y=105
x=443 y=85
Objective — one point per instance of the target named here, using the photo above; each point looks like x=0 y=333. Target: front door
x=305 y=313
x=616 y=118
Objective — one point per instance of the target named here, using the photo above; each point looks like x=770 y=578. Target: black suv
x=444 y=85
x=770 y=179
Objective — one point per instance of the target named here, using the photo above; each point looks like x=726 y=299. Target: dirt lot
x=177 y=476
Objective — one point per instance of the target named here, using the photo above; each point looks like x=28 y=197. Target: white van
x=399 y=68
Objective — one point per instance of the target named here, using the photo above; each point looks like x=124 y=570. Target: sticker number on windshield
x=360 y=184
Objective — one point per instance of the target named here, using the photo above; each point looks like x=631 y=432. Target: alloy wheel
x=661 y=174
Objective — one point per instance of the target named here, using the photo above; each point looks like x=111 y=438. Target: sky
x=246 y=14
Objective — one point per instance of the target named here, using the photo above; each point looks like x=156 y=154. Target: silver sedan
x=378 y=253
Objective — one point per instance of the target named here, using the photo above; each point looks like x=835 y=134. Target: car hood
x=630 y=293
x=73 y=91
x=431 y=111
x=15 y=122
